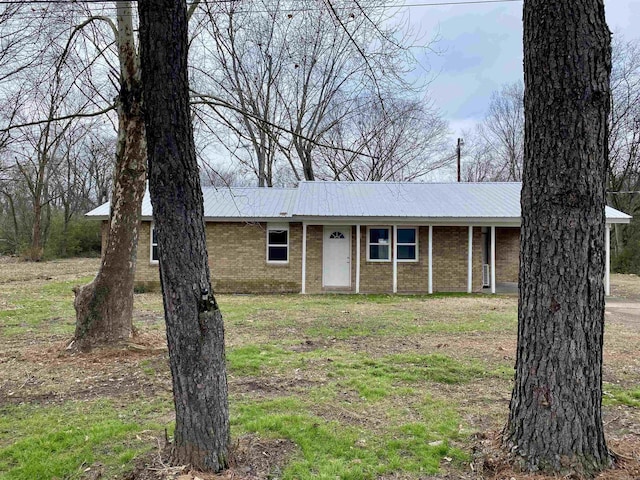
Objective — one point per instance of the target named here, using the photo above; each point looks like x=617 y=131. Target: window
x=278 y=243
x=378 y=243
x=407 y=244
x=154 y=245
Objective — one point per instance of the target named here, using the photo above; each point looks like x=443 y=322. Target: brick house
x=360 y=237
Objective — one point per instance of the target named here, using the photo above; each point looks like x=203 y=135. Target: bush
x=82 y=239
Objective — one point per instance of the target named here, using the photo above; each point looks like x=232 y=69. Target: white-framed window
x=407 y=244
x=153 y=251
x=378 y=244
x=277 y=243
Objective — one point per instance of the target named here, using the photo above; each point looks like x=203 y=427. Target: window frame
x=152 y=261
x=414 y=244
x=389 y=244
x=279 y=227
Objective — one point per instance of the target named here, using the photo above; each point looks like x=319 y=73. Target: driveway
x=625 y=311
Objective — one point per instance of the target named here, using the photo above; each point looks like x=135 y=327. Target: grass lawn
x=335 y=386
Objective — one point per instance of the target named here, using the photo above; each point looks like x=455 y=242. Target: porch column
x=470 y=261
x=493 y=259
x=607 y=260
x=430 y=288
x=358 y=239
x=304 y=258
x=394 y=256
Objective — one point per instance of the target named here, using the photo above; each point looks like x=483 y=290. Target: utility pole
x=460 y=143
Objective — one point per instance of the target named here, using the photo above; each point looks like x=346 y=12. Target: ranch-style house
x=358 y=237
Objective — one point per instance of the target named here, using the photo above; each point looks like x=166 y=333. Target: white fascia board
x=412 y=221
x=618 y=220
x=251 y=220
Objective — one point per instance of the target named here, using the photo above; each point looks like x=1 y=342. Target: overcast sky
x=481 y=49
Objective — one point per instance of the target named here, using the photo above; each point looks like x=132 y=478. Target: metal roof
x=368 y=200
x=231 y=203
x=396 y=199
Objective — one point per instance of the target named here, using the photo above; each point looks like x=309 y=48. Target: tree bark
x=555 y=420
x=195 y=332
x=104 y=307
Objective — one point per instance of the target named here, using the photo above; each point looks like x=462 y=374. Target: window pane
x=277 y=254
x=154 y=236
x=406 y=235
x=406 y=252
x=378 y=252
x=154 y=252
x=379 y=235
x=277 y=237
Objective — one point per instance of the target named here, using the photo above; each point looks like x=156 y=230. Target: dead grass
x=321 y=354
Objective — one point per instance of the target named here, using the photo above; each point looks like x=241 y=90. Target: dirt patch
x=268 y=387
x=491 y=462
x=38 y=374
x=625 y=286
x=16 y=270
x=251 y=458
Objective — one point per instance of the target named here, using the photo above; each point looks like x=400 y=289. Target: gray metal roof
x=413 y=200
x=440 y=202
x=231 y=203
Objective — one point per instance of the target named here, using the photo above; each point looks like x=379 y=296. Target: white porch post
x=304 y=258
x=395 y=258
x=430 y=287
x=470 y=261
x=607 y=260
x=493 y=259
x=358 y=258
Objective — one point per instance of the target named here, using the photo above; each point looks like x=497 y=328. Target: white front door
x=336 y=257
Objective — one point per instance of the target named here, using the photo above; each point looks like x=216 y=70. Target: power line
x=214 y=2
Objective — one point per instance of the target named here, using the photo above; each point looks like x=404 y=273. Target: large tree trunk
x=104 y=308
x=555 y=420
x=195 y=332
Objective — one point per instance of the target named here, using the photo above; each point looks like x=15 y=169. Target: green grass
x=252 y=360
x=614 y=395
x=329 y=449
x=59 y=441
x=49 y=309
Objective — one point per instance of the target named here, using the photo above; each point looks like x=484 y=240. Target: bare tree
x=195 y=332
x=402 y=142
x=104 y=307
x=624 y=133
x=281 y=76
x=555 y=418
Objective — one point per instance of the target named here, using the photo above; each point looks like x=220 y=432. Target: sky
x=480 y=49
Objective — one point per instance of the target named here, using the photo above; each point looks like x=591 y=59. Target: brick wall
x=507 y=254
x=147 y=275
x=314 y=259
x=237 y=257
x=450 y=250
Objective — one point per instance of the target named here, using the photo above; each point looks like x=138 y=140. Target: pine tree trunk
x=104 y=308
x=195 y=332
x=555 y=420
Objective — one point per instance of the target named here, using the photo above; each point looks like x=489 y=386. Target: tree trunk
x=195 y=332
x=35 y=251
x=104 y=308
x=555 y=420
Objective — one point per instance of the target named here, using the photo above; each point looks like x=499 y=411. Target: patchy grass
x=60 y=441
x=614 y=395
x=355 y=387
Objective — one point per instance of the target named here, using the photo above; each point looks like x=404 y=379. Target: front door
x=336 y=257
